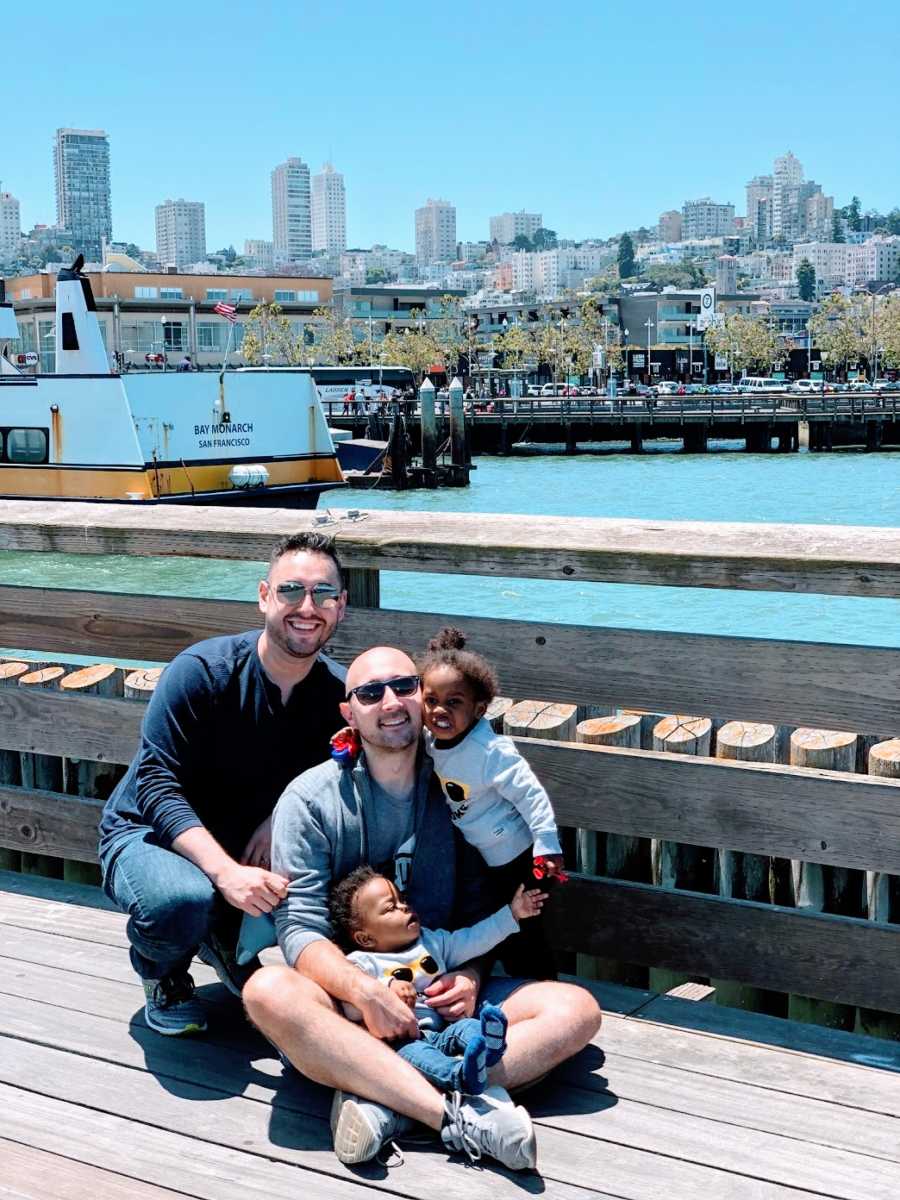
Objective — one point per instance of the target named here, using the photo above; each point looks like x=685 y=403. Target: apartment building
x=291 y=211
x=435 y=232
x=83 y=199
x=181 y=232
x=328 y=211
x=506 y=227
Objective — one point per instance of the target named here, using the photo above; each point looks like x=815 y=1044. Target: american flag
x=228 y=311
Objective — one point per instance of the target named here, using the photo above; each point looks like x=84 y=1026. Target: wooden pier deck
x=674 y=1099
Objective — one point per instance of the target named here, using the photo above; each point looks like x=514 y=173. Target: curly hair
x=447 y=649
x=341 y=905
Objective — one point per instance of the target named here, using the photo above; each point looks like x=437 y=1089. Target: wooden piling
x=744 y=876
x=10 y=765
x=140 y=685
x=882 y=893
x=824 y=888
x=41 y=771
x=496 y=711
x=676 y=864
x=82 y=777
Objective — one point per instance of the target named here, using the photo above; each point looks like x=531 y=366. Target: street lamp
x=649 y=325
x=624 y=355
x=163 y=322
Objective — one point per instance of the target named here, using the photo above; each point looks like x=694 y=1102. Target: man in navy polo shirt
x=185 y=837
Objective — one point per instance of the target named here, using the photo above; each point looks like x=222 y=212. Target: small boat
x=241 y=437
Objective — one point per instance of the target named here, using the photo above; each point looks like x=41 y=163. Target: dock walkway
x=675 y=1099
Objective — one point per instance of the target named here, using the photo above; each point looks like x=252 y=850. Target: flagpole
x=221 y=403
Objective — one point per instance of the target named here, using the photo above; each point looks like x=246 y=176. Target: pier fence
x=811 y=943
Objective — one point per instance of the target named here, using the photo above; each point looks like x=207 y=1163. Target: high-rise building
x=788 y=173
x=291 y=214
x=506 y=227
x=435 y=232
x=329 y=211
x=759 y=206
x=83 y=205
x=670 y=226
x=180 y=232
x=10 y=225
x=705 y=218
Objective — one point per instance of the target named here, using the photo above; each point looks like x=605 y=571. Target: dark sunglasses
x=372 y=693
x=323 y=595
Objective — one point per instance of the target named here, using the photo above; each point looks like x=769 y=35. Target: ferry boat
x=87 y=433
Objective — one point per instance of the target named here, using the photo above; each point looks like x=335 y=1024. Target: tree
x=837 y=229
x=335 y=340
x=852 y=214
x=806 y=280
x=544 y=239
x=893 y=221
x=889 y=331
x=626 y=257
x=752 y=347
x=842 y=328
x=376 y=275
x=268 y=334
x=446 y=330
x=515 y=346
x=521 y=242
x=413 y=348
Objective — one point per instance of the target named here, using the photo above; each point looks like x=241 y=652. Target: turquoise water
x=840 y=488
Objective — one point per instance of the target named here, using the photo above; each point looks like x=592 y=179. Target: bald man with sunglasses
x=386 y=809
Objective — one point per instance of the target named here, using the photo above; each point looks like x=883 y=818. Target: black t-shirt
x=218 y=747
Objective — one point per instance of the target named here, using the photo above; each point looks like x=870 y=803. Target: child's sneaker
x=493 y=1028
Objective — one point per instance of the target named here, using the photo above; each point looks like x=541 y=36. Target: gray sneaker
x=170 y=1007
x=361 y=1128
x=223 y=962
x=490 y=1124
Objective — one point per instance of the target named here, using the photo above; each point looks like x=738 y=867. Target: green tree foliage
x=376 y=275
x=544 y=239
x=752 y=347
x=335 y=339
x=837 y=229
x=626 y=257
x=893 y=221
x=842 y=328
x=521 y=242
x=268 y=336
x=852 y=214
x=806 y=280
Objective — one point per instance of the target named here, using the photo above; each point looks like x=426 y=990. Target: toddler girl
x=494 y=797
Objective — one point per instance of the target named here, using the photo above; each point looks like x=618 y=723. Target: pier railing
x=793 y=819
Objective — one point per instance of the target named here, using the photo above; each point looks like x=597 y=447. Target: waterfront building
x=506 y=227
x=670 y=226
x=83 y=201
x=260 y=254
x=380 y=308
x=291 y=211
x=705 y=218
x=435 y=232
x=180 y=232
x=328 y=211
x=10 y=225
x=144 y=313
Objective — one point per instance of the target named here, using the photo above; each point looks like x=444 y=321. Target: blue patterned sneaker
x=170 y=1006
x=493 y=1027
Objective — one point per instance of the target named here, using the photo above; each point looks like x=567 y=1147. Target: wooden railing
x=777 y=811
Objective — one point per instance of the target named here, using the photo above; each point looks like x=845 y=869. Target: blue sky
x=599 y=115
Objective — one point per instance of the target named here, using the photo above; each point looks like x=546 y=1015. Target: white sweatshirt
x=494 y=796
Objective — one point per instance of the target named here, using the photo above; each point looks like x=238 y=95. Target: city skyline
x=559 y=150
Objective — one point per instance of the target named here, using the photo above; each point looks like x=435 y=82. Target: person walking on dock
x=384 y=805
x=185 y=837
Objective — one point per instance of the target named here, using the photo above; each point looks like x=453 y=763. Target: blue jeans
x=435 y=1053
x=171 y=904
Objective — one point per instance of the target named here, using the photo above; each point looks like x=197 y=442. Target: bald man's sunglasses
x=373 y=693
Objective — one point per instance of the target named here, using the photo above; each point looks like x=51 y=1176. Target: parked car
x=726 y=389
x=859 y=385
x=804 y=385
x=642 y=389
x=667 y=388
x=762 y=383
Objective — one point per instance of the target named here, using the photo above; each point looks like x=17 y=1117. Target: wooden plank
x=828 y=957
x=231 y=1121
x=754 y=679
x=787 y=1070
x=57 y=892
x=30 y=1174
x=70 y=725
x=49 y=823
x=842 y=560
x=758 y=1028
x=810 y=815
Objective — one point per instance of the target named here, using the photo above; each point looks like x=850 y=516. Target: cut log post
x=824 y=888
x=744 y=876
x=10 y=765
x=612 y=854
x=41 y=771
x=676 y=864
x=140 y=685
x=649 y=721
x=496 y=711
x=81 y=777
x=882 y=893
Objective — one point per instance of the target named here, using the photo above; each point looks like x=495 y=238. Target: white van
x=762 y=383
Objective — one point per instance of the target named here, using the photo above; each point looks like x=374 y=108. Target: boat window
x=26 y=445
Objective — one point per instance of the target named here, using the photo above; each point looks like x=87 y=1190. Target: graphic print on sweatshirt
x=456 y=795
